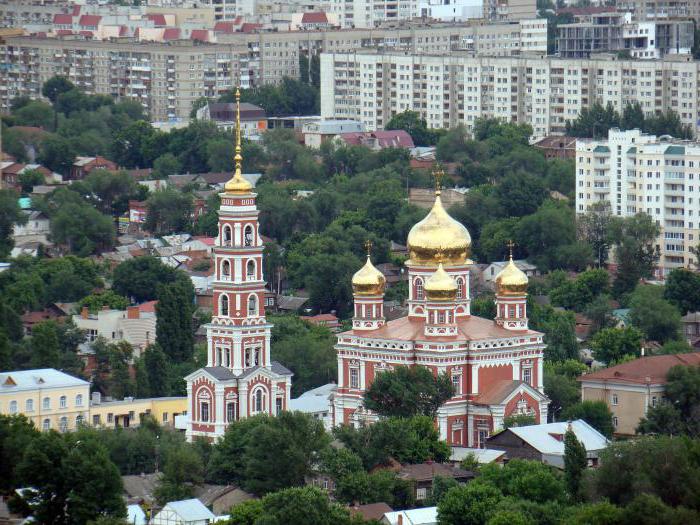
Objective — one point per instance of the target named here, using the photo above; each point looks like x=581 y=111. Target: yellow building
x=128 y=412
x=49 y=398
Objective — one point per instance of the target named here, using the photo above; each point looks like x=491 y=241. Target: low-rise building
x=317 y=403
x=378 y=140
x=631 y=388
x=184 y=512
x=129 y=412
x=83 y=166
x=557 y=147
x=223 y=114
x=316 y=133
x=421 y=516
x=136 y=325
x=488 y=275
x=36 y=228
x=49 y=398
x=422 y=475
x=545 y=442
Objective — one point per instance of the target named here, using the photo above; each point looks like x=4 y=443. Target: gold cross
x=368 y=247
x=510 y=245
x=438 y=174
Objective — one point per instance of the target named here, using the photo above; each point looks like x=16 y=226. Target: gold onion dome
x=441 y=286
x=439 y=238
x=368 y=280
x=238 y=185
x=511 y=280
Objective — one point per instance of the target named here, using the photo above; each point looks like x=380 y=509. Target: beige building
x=136 y=325
x=49 y=398
x=129 y=412
x=631 y=388
x=459 y=88
x=633 y=172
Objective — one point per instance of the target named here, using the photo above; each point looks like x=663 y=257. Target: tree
x=81 y=229
x=413 y=124
x=139 y=278
x=530 y=480
x=35 y=114
x=560 y=385
x=658 y=319
x=519 y=420
x=471 y=504
x=594 y=122
x=174 y=310
x=168 y=211
x=45 y=346
x=559 y=330
x=613 y=344
x=109 y=298
x=16 y=433
x=636 y=253
x=679 y=413
x=340 y=462
x=30 y=178
x=683 y=290
x=595 y=413
x=166 y=164
x=10 y=214
x=308 y=505
x=594 y=227
x=441 y=485
x=521 y=193
x=246 y=512
x=182 y=470
x=156 y=364
x=130 y=146
x=57 y=153
x=112 y=190
x=55 y=86
x=575 y=463
x=408 y=391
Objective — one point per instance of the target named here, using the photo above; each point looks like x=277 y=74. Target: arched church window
x=224 y=305
x=226 y=270
x=419 y=289
x=248 y=235
x=252 y=305
x=259 y=400
x=227 y=235
x=460 y=288
x=250 y=271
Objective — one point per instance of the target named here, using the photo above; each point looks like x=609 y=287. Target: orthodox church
x=239 y=380
x=495 y=364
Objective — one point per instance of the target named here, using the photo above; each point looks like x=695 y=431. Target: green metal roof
x=25 y=203
x=675 y=150
x=601 y=149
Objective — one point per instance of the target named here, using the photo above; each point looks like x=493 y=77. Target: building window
x=421 y=493
x=460 y=288
x=62 y=402
x=248 y=353
x=654 y=401
x=29 y=405
x=132 y=416
x=96 y=420
x=226 y=270
x=224 y=304
x=110 y=418
x=614 y=420
x=457 y=383
x=79 y=400
x=483 y=436
x=614 y=399
x=252 y=305
x=46 y=404
x=259 y=400
x=250 y=271
x=278 y=406
x=13 y=407
x=204 y=411
x=419 y=289
x=230 y=412
x=248 y=236
x=63 y=424
x=227 y=235
x=79 y=420
x=527 y=376
x=354 y=378
x=46 y=425
x=165 y=417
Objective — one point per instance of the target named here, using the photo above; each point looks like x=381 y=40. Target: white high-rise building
x=638 y=173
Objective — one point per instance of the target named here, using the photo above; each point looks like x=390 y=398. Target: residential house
x=52 y=312
x=629 y=389
x=421 y=475
x=223 y=114
x=83 y=166
x=370 y=511
x=136 y=325
x=36 y=229
x=10 y=172
x=51 y=399
x=129 y=412
x=422 y=516
x=557 y=147
x=184 y=512
x=488 y=275
x=378 y=140
x=691 y=327
x=318 y=132
x=315 y=21
x=545 y=442
x=330 y=321
x=290 y=303
x=317 y=403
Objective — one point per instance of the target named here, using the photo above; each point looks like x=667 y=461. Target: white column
x=237 y=270
x=237 y=357
x=442 y=425
x=340 y=372
x=475 y=379
x=219 y=401
x=516 y=370
x=237 y=235
x=540 y=372
x=362 y=375
x=273 y=400
x=470 y=431
x=242 y=401
x=268 y=359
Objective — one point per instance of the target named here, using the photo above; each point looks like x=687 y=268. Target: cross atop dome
x=238 y=184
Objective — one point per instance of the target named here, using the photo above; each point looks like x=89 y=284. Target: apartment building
x=49 y=398
x=459 y=87
x=617 y=32
x=660 y=9
x=136 y=325
x=634 y=172
x=167 y=77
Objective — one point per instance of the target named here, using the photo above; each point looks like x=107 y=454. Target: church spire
x=237 y=184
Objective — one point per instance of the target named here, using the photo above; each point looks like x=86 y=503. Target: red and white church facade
x=496 y=365
x=240 y=379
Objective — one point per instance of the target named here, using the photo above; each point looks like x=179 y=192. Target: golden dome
x=368 y=280
x=441 y=286
x=511 y=280
x=439 y=239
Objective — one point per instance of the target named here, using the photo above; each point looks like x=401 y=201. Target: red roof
x=40 y=34
x=157 y=19
x=123 y=30
x=90 y=20
x=148 y=307
x=249 y=28
x=63 y=19
x=209 y=241
x=200 y=34
x=227 y=27
x=62 y=32
x=314 y=18
x=651 y=369
x=86 y=33
x=395 y=138
x=171 y=33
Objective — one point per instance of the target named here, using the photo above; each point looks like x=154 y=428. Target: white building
x=459 y=87
x=36 y=228
x=633 y=172
x=317 y=403
x=184 y=512
x=136 y=325
x=316 y=133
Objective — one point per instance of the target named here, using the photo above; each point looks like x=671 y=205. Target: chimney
x=400 y=522
x=132 y=312
x=84 y=312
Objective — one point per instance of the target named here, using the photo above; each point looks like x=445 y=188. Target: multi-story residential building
x=458 y=88
x=49 y=398
x=659 y=9
x=631 y=388
x=136 y=325
x=167 y=77
x=634 y=172
x=617 y=32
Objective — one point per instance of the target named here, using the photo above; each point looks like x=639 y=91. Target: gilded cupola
x=511 y=280
x=438 y=238
x=440 y=286
x=368 y=280
x=238 y=185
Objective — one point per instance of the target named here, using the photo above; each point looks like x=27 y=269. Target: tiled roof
x=651 y=369
x=427 y=471
x=219 y=372
x=157 y=19
x=314 y=18
x=499 y=391
x=200 y=34
x=90 y=20
x=62 y=19
x=148 y=307
x=371 y=511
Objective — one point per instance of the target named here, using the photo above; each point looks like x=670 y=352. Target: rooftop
x=23 y=380
x=549 y=438
x=645 y=370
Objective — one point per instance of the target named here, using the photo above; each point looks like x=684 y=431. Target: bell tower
x=511 y=295
x=368 y=295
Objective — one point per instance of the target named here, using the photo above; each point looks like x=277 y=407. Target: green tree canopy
x=595 y=413
x=657 y=319
x=613 y=344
